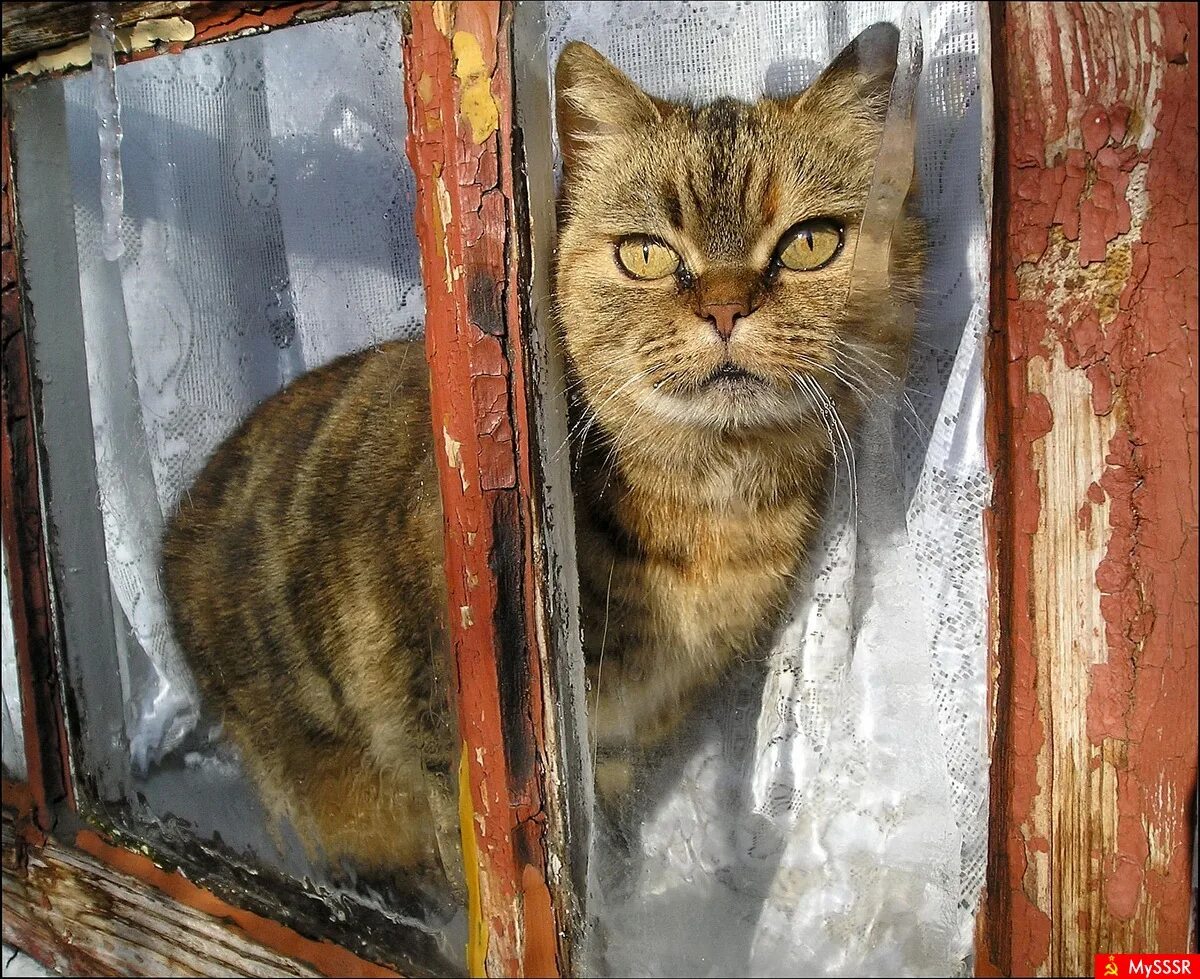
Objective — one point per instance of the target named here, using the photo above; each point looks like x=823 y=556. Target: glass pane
x=790 y=780
x=293 y=719
x=14 y=732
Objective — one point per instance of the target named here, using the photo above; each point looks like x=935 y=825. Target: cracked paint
x=458 y=91
x=1097 y=712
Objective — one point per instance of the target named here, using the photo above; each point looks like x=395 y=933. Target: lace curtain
x=267 y=230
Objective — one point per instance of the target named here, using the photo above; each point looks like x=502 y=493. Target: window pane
x=266 y=231
x=816 y=803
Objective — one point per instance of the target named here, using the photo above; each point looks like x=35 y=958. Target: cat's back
x=317 y=518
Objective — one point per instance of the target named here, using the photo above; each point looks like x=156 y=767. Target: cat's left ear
x=595 y=100
x=859 y=81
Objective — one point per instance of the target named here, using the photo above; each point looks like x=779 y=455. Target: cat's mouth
x=731 y=375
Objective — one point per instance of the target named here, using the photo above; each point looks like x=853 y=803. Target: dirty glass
x=822 y=808
x=213 y=226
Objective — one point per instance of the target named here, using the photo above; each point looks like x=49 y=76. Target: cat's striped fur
x=304 y=568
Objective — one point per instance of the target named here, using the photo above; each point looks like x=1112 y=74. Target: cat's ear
x=859 y=81
x=595 y=100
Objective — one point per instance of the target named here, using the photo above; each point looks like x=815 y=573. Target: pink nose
x=724 y=316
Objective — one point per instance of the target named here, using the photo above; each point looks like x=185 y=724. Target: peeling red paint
x=460 y=145
x=1096 y=291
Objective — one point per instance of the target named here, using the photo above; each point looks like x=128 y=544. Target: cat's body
x=304 y=569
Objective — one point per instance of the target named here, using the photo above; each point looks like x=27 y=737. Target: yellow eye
x=810 y=244
x=645 y=258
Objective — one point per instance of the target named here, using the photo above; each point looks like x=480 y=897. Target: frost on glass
x=265 y=229
x=824 y=811
x=13 y=733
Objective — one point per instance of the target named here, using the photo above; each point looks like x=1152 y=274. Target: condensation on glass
x=13 y=732
x=825 y=813
x=266 y=228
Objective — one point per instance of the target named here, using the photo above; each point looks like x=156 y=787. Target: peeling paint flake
x=478 y=106
x=454 y=457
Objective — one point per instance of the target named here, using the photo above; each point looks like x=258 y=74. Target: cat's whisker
x=806 y=385
x=595 y=409
x=836 y=430
x=860 y=358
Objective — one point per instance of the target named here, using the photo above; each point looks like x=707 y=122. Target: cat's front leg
x=631 y=714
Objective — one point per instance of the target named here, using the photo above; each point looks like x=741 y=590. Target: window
x=296 y=186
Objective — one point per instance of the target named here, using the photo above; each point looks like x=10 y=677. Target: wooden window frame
x=59 y=871
x=1092 y=804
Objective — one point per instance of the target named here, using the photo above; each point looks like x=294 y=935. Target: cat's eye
x=810 y=245
x=647 y=258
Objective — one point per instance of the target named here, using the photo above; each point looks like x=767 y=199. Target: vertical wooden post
x=1093 y=429
x=458 y=79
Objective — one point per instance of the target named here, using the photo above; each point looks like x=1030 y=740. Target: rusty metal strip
x=1093 y=418
x=458 y=82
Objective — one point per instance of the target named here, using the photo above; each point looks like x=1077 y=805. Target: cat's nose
x=724 y=316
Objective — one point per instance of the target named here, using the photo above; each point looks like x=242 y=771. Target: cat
x=703 y=266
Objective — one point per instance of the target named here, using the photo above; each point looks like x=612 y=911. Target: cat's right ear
x=594 y=100
x=859 y=81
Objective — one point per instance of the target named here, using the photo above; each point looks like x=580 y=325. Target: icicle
x=108 y=110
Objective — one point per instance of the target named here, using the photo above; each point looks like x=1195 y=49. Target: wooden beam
x=458 y=79
x=1092 y=422
x=79 y=915
x=53 y=38
x=33 y=27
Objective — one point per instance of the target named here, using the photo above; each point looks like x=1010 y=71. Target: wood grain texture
x=458 y=80
x=1093 y=428
x=39 y=28
x=81 y=917
x=33 y=27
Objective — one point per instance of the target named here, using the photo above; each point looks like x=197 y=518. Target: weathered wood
x=79 y=916
x=458 y=81
x=1093 y=426
x=33 y=27
x=54 y=37
x=21 y=526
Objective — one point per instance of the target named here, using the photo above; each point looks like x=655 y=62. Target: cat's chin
x=730 y=400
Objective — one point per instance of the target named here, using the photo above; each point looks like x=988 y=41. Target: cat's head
x=705 y=254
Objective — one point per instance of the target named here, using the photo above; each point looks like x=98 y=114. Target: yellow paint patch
x=146 y=33
x=477 y=933
x=446 y=213
x=478 y=106
x=127 y=40
x=70 y=56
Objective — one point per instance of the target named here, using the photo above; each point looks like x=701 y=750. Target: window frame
x=517 y=563
x=1019 y=928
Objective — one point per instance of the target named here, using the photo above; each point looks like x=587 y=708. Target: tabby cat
x=704 y=263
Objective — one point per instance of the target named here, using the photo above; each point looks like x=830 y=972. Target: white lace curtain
x=267 y=229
